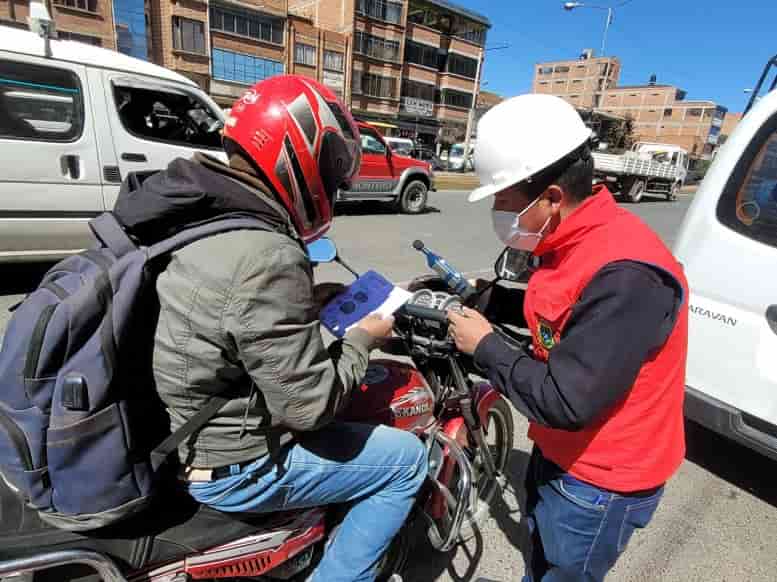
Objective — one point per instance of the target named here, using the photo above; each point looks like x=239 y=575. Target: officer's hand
x=378 y=327
x=323 y=293
x=468 y=328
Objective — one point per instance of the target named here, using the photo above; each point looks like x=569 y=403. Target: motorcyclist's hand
x=377 y=326
x=323 y=293
x=468 y=328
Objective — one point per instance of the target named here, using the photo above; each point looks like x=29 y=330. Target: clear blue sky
x=712 y=49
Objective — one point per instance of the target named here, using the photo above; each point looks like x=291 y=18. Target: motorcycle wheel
x=499 y=435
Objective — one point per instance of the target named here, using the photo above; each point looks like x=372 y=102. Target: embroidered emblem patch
x=545 y=335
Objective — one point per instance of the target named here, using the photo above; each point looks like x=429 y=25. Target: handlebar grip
x=425 y=313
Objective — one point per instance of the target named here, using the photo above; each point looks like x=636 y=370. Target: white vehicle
x=73 y=124
x=728 y=246
x=648 y=168
x=456 y=159
x=400 y=145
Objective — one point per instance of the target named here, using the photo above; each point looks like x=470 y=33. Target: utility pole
x=471 y=114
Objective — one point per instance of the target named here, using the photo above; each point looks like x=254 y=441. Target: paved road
x=718 y=521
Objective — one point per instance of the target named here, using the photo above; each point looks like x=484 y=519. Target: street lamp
x=471 y=114
x=570 y=6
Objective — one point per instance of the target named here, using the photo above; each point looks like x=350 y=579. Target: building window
x=376 y=47
x=305 y=54
x=244 y=23
x=577 y=81
x=668 y=112
x=334 y=61
x=84 y=38
x=39 y=103
x=374 y=85
x=240 y=68
x=450 y=24
x=421 y=54
x=545 y=70
x=563 y=69
x=88 y=5
x=695 y=112
x=455 y=98
x=461 y=65
x=188 y=35
x=381 y=9
x=418 y=90
x=633 y=95
x=560 y=82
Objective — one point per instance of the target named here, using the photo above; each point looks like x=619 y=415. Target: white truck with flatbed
x=648 y=168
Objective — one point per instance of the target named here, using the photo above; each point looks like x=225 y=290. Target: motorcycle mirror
x=511 y=264
x=322 y=250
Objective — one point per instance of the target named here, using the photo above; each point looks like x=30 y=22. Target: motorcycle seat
x=173 y=527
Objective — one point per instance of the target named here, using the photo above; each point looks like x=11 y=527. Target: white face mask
x=507 y=226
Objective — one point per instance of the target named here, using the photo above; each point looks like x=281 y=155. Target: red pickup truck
x=386 y=175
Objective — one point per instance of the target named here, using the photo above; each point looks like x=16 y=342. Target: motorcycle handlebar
x=425 y=313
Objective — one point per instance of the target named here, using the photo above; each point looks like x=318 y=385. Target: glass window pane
x=241 y=24
x=229 y=22
x=39 y=103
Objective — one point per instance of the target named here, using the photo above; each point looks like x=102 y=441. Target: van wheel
x=674 y=193
x=636 y=191
x=414 y=197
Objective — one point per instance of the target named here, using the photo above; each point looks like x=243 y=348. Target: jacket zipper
x=36 y=342
x=18 y=440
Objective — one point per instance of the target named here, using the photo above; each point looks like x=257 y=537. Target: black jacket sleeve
x=626 y=311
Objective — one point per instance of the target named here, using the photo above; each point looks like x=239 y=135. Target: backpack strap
x=111 y=234
x=159 y=455
x=195 y=233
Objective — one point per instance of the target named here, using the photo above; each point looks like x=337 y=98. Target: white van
x=728 y=246
x=73 y=125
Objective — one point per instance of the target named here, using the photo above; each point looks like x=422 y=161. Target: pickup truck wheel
x=414 y=197
x=674 y=193
x=635 y=192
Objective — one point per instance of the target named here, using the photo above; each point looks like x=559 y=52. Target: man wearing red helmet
x=239 y=317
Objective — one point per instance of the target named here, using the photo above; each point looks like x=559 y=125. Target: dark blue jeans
x=376 y=469
x=578 y=530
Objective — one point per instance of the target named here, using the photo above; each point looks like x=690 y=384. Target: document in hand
x=370 y=293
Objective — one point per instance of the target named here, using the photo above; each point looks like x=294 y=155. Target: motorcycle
x=466 y=425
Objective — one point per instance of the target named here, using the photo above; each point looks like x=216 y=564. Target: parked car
x=72 y=125
x=457 y=161
x=385 y=175
x=728 y=247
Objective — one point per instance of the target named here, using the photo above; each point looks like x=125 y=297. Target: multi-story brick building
x=89 y=21
x=659 y=113
x=414 y=63
x=408 y=65
x=581 y=82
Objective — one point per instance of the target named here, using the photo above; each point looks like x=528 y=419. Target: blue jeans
x=377 y=469
x=578 y=530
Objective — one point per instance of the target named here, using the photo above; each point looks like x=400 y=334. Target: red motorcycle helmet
x=304 y=141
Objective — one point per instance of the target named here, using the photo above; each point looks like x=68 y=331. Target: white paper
x=396 y=299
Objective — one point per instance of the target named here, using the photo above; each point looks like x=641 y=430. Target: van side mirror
x=512 y=264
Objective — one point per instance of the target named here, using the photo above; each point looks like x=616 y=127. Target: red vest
x=640 y=442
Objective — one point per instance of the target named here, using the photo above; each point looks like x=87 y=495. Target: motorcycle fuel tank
x=393 y=393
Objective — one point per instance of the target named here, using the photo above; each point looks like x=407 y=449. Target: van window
x=39 y=103
x=749 y=202
x=167 y=115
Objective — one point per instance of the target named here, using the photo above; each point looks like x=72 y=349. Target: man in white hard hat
x=603 y=385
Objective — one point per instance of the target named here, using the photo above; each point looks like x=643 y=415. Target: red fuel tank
x=393 y=393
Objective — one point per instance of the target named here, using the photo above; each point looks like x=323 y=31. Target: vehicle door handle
x=70 y=165
x=130 y=157
x=771 y=317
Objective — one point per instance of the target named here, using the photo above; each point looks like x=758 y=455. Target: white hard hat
x=522 y=136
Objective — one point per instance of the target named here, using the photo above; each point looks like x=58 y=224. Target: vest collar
x=593 y=212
